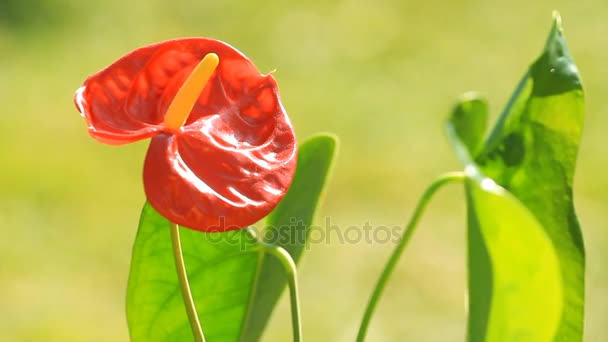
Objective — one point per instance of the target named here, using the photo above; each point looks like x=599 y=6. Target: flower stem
x=180 y=267
x=290 y=270
x=449 y=177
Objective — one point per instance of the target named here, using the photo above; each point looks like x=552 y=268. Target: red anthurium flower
x=223 y=151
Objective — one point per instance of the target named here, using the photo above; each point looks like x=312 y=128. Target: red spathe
x=232 y=161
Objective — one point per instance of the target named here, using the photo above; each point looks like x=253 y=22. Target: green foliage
x=234 y=284
x=524 y=301
x=469 y=119
x=220 y=274
x=531 y=153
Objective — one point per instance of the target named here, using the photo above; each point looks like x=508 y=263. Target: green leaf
x=526 y=289
x=515 y=286
x=220 y=274
x=469 y=118
x=532 y=154
x=225 y=269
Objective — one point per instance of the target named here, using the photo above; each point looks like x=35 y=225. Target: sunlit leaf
x=532 y=154
x=515 y=286
x=469 y=118
x=225 y=269
x=526 y=289
x=220 y=272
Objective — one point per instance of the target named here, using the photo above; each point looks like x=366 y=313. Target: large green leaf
x=532 y=154
x=526 y=288
x=231 y=280
x=515 y=285
x=220 y=274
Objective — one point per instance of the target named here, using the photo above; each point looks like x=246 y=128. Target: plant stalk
x=449 y=177
x=180 y=267
x=292 y=279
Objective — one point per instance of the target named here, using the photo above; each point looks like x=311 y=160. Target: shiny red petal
x=210 y=179
x=101 y=101
x=233 y=161
x=127 y=100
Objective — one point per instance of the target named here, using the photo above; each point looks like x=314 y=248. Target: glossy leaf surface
x=526 y=289
x=224 y=269
x=531 y=153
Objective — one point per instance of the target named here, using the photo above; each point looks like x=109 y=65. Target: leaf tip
x=557 y=22
x=330 y=140
x=555 y=72
x=468 y=120
x=470 y=96
x=556 y=40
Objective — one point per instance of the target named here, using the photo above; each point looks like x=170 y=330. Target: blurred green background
x=380 y=74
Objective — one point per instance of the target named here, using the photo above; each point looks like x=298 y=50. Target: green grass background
x=380 y=74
